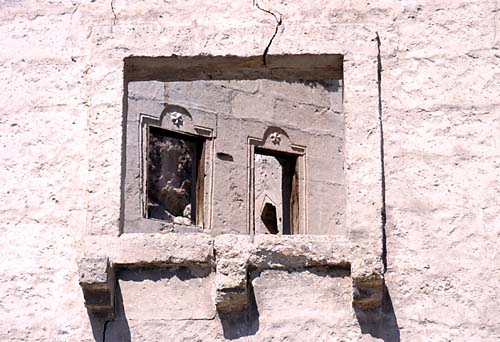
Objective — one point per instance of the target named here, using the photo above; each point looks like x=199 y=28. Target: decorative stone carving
x=172 y=166
x=275 y=138
x=277 y=171
x=176 y=119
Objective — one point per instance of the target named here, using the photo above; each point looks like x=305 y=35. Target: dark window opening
x=276 y=193
x=174 y=181
x=269 y=218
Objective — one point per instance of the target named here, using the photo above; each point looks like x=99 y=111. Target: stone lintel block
x=273 y=251
x=97 y=280
x=137 y=250
x=232 y=245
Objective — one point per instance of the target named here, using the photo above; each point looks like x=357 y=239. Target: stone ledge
x=271 y=251
x=152 y=249
x=232 y=256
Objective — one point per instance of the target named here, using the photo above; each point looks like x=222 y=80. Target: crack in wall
x=382 y=152
x=71 y=24
x=112 y=317
x=104 y=330
x=114 y=13
x=73 y=12
x=279 y=21
x=495 y=11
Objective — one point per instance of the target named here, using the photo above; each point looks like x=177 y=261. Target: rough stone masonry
x=406 y=249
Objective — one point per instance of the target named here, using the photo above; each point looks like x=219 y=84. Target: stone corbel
x=97 y=273
x=234 y=254
x=97 y=279
x=231 y=256
x=367 y=283
x=231 y=279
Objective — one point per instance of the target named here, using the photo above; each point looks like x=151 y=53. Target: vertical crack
x=114 y=13
x=279 y=21
x=495 y=12
x=105 y=328
x=111 y=318
x=382 y=152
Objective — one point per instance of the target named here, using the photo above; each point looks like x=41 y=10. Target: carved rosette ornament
x=176 y=119
x=275 y=138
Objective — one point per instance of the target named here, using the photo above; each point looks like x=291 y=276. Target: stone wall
x=61 y=135
x=306 y=114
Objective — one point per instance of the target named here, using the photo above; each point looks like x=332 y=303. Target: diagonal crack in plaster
x=279 y=21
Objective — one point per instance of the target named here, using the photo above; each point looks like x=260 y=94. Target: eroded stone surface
x=97 y=280
x=153 y=249
x=231 y=288
x=302 y=305
x=300 y=251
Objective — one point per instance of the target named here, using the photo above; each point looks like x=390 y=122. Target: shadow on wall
x=380 y=323
x=241 y=324
x=234 y=325
x=106 y=329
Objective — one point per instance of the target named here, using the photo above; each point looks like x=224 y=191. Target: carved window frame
x=200 y=142
x=277 y=141
x=168 y=121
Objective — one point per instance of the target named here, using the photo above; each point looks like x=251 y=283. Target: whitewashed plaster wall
x=60 y=132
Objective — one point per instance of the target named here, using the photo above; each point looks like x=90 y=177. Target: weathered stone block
x=289 y=301
x=231 y=293
x=97 y=280
x=137 y=249
x=167 y=293
x=270 y=251
x=368 y=281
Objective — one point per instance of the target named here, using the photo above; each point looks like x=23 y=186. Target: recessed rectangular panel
x=274 y=193
x=172 y=162
x=173 y=293
x=292 y=106
x=289 y=300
